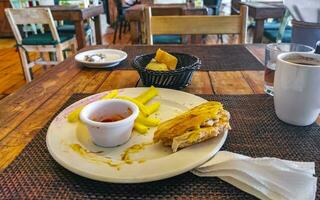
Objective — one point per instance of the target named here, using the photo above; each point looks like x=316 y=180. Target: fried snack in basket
x=201 y=123
x=164 y=57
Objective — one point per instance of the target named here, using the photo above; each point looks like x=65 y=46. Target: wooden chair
x=50 y=42
x=235 y=24
x=17 y=4
x=120 y=22
x=165 y=11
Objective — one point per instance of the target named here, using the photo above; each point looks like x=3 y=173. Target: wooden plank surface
x=25 y=112
x=120 y=79
x=13 y=144
x=229 y=83
x=17 y=107
x=255 y=79
x=2 y=96
x=200 y=84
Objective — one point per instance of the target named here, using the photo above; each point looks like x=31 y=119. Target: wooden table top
x=135 y=12
x=264 y=10
x=264 y=5
x=188 y=6
x=72 y=8
x=24 y=113
x=75 y=12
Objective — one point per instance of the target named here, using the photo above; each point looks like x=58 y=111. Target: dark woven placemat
x=256 y=132
x=213 y=58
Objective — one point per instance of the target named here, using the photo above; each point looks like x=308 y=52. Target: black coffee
x=305 y=63
x=302 y=60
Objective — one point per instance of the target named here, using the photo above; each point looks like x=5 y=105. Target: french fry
x=111 y=95
x=143 y=109
x=153 y=107
x=147 y=95
x=140 y=128
x=140 y=100
x=147 y=121
x=74 y=116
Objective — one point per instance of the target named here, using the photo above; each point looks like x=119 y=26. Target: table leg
x=80 y=34
x=97 y=26
x=258 y=31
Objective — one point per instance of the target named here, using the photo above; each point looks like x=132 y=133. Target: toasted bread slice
x=196 y=125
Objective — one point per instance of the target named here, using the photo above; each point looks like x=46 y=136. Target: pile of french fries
x=143 y=121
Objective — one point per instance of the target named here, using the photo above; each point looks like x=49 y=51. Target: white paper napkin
x=265 y=178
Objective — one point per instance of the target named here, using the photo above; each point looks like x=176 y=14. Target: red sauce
x=115 y=117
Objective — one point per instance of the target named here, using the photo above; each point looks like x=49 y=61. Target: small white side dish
x=109 y=134
x=112 y=58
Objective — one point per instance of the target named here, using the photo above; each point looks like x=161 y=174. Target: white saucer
x=113 y=58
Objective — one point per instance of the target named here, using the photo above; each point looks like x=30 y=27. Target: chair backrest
x=30 y=16
x=167 y=11
x=161 y=11
x=16 y=4
x=158 y=25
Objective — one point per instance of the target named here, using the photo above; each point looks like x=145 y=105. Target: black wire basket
x=177 y=79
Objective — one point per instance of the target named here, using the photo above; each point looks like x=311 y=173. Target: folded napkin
x=265 y=178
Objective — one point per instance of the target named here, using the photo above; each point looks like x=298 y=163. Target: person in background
x=129 y=3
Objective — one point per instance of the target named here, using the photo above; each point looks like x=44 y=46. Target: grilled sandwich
x=201 y=123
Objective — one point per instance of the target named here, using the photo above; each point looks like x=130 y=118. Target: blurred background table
x=134 y=15
x=260 y=11
x=78 y=15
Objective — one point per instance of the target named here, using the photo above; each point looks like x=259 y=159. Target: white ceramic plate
x=112 y=58
x=160 y=162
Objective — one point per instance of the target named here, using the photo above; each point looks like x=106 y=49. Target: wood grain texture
x=13 y=144
x=229 y=83
x=5 y=30
x=97 y=80
x=120 y=79
x=234 y=24
x=15 y=108
x=255 y=79
x=200 y=84
x=2 y=96
x=11 y=74
x=7 y=42
x=134 y=15
x=258 y=51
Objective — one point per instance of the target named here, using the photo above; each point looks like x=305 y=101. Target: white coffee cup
x=297 y=88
